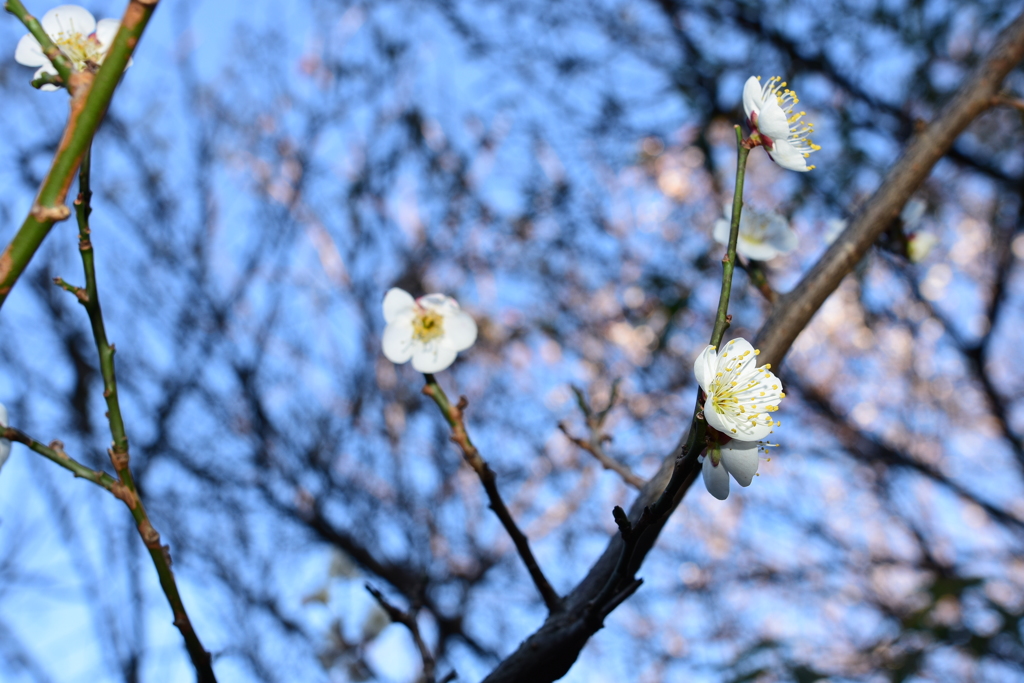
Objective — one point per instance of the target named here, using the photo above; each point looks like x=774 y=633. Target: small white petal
x=771 y=120
x=740 y=459
x=396 y=302
x=755 y=250
x=29 y=52
x=752 y=96
x=459 y=330
x=721 y=231
x=787 y=156
x=704 y=366
x=3 y=416
x=68 y=19
x=397 y=341
x=716 y=479
x=106 y=29
x=723 y=422
x=432 y=358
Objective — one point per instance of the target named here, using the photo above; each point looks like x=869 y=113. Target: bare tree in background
x=265 y=175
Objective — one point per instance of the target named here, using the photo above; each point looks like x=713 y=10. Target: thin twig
x=593 y=445
x=408 y=619
x=454 y=417
x=55 y=453
x=125 y=488
x=609 y=463
x=1007 y=101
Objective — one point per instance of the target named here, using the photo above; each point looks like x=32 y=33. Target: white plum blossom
x=740 y=395
x=5 y=444
x=79 y=36
x=738 y=458
x=769 y=109
x=763 y=234
x=430 y=330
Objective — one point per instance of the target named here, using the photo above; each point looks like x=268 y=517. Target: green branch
x=729 y=262
x=90 y=97
x=125 y=489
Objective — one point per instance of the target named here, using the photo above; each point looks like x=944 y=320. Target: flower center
x=80 y=49
x=427 y=325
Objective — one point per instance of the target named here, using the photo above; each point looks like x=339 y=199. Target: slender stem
x=89 y=297
x=729 y=262
x=408 y=619
x=620 y=583
x=90 y=97
x=59 y=60
x=55 y=452
x=454 y=416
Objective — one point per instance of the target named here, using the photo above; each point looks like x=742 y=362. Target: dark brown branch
x=549 y=653
x=454 y=417
x=796 y=308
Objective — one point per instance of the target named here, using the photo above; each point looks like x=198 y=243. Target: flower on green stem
x=5 y=444
x=740 y=396
x=769 y=110
x=763 y=234
x=430 y=330
x=738 y=458
x=79 y=36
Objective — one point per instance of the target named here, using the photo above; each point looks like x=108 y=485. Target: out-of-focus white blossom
x=763 y=234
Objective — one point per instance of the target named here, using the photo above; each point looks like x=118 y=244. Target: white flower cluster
x=741 y=398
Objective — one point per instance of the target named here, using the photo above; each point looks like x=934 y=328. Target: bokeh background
x=268 y=170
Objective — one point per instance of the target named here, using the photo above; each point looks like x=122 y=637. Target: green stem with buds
x=90 y=97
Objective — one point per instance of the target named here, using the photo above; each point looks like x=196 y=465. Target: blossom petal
x=716 y=479
x=787 y=156
x=459 y=330
x=68 y=19
x=755 y=250
x=106 y=29
x=29 y=52
x=771 y=120
x=721 y=231
x=780 y=235
x=704 y=366
x=3 y=416
x=721 y=422
x=397 y=301
x=752 y=96
x=397 y=342
x=433 y=357
x=740 y=459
